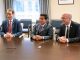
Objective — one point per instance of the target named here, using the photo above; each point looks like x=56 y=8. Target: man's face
x=66 y=19
x=42 y=20
x=9 y=15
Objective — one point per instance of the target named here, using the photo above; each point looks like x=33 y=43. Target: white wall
x=58 y=10
x=55 y=10
x=1 y=11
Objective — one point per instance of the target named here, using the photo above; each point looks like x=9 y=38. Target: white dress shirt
x=67 y=27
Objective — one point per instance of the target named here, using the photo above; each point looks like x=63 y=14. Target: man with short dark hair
x=10 y=27
x=42 y=30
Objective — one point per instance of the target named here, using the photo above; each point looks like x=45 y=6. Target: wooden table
x=25 y=49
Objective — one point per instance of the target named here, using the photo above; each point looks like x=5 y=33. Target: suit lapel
x=6 y=25
x=64 y=27
x=13 y=25
x=71 y=27
x=45 y=26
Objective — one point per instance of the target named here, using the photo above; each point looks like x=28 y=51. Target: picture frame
x=65 y=2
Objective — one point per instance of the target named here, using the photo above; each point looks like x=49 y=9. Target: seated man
x=10 y=27
x=69 y=31
x=42 y=30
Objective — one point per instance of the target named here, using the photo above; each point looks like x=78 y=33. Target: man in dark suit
x=69 y=31
x=10 y=27
x=42 y=30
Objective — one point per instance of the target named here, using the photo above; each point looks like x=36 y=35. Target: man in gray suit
x=42 y=30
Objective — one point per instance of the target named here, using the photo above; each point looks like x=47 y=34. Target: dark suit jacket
x=47 y=32
x=73 y=32
x=16 y=28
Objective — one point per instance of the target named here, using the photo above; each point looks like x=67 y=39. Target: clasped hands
x=63 y=39
x=37 y=37
x=8 y=36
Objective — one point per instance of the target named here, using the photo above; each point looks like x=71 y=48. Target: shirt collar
x=69 y=24
x=11 y=20
x=43 y=25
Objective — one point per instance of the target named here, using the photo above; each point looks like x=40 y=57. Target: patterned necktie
x=10 y=27
x=40 y=28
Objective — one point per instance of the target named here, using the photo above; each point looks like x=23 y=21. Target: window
x=26 y=9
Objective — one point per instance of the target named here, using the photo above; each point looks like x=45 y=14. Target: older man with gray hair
x=69 y=31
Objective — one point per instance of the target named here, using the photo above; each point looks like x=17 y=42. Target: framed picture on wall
x=65 y=2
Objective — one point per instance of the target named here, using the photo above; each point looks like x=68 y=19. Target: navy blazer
x=73 y=32
x=47 y=32
x=16 y=27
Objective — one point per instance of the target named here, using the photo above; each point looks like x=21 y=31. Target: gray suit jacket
x=47 y=31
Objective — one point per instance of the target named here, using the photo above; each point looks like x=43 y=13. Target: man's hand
x=8 y=36
x=37 y=37
x=34 y=37
x=62 y=39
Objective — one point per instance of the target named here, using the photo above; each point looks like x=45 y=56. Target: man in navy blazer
x=42 y=30
x=69 y=30
x=15 y=26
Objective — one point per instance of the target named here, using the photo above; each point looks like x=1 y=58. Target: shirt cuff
x=42 y=37
x=67 y=40
x=13 y=35
x=4 y=35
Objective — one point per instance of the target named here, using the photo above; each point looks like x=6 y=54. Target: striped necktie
x=10 y=27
